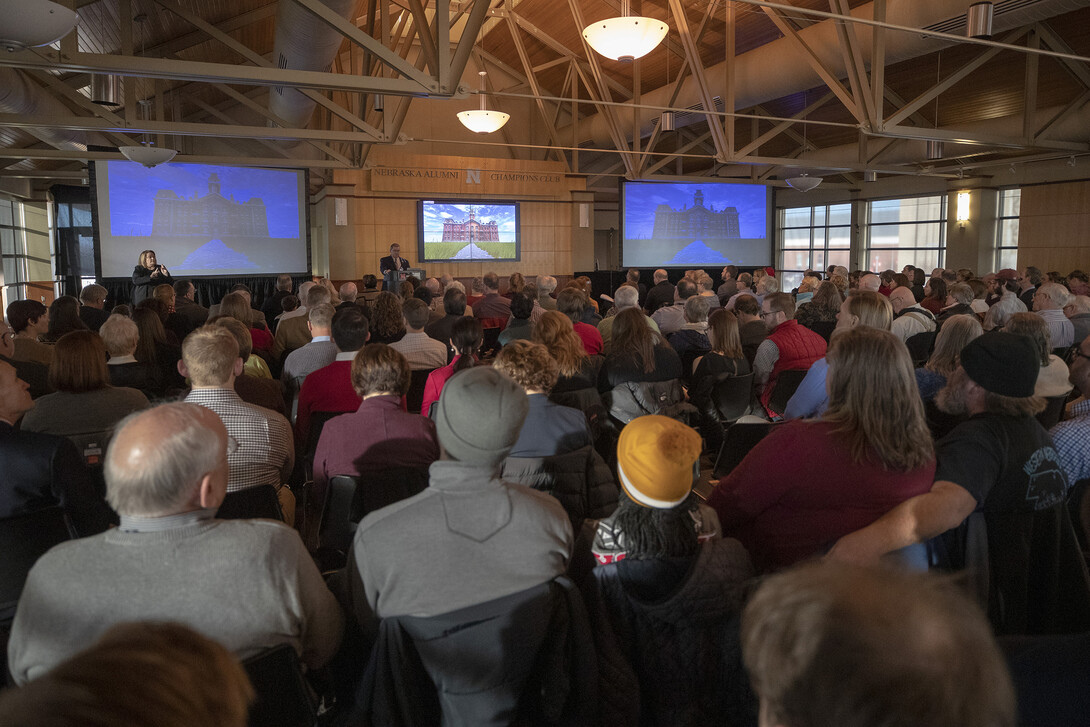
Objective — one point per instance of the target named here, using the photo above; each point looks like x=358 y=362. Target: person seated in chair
x=379 y=434
x=666 y=589
x=329 y=389
x=422 y=351
x=248 y=584
x=120 y=335
x=264 y=452
x=470 y=537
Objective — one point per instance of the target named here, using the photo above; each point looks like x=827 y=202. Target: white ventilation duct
x=775 y=70
x=20 y=95
x=303 y=43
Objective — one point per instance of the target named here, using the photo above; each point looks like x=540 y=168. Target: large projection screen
x=695 y=224
x=201 y=220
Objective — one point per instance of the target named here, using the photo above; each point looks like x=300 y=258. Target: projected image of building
x=212 y=214
x=697 y=222
x=471 y=230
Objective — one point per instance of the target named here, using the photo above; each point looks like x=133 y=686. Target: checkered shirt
x=1072 y=441
x=266 y=450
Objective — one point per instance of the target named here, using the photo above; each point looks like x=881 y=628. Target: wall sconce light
x=963 y=208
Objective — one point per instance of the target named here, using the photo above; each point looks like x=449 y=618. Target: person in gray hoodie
x=469 y=537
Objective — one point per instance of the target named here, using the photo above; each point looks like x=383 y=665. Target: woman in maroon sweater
x=811 y=481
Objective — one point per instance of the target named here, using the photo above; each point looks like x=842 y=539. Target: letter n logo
x=473 y=176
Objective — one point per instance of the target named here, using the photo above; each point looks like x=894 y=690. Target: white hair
x=626 y=297
x=163 y=478
x=870 y=281
x=120 y=335
x=546 y=284
x=304 y=289
x=1000 y=313
x=768 y=285
x=348 y=292
x=1056 y=293
x=1081 y=303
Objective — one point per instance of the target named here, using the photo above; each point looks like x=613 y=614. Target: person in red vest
x=789 y=347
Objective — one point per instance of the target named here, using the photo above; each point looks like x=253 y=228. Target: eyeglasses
x=765 y=314
x=1077 y=353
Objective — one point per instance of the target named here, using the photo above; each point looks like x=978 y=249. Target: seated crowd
x=489 y=507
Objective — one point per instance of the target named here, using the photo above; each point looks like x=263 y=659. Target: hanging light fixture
x=627 y=37
x=978 y=20
x=482 y=120
x=804 y=182
x=106 y=90
x=935 y=149
x=147 y=153
x=31 y=23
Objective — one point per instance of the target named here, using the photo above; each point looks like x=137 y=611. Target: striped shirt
x=266 y=449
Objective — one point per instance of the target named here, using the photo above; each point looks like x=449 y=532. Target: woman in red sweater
x=811 y=481
x=466 y=337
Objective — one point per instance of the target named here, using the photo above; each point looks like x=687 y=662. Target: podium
x=394 y=278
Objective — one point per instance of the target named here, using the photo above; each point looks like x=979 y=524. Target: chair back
x=1053 y=412
x=24 y=539
x=350 y=498
x=414 y=399
x=304 y=464
x=283 y=697
x=739 y=439
x=920 y=346
x=786 y=384
x=732 y=397
x=248 y=503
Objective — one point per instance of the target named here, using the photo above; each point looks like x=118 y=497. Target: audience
x=573 y=302
x=864 y=307
x=1052 y=379
x=691 y=340
x=272 y=307
x=934 y=298
x=379 y=434
x=869 y=451
x=626 y=296
x=29 y=319
x=959 y=300
x=64 y=318
x=248 y=584
x=819 y=313
x=641 y=371
x=789 y=347
x=466 y=337
x=387 y=320
x=237 y=306
x=1078 y=312
x=909 y=319
x=853 y=647
x=319 y=351
x=661 y=293
x=42 y=470
x=120 y=337
x=469 y=537
x=671 y=317
x=724 y=359
x=84 y=406
x=519 y=327
x=258 y=390
x=422 y=351
x=92 y=306
x=751 y=327
x=262 y=452
x=667 y=595
x=293 y=331
x=491 y=306
x=454 y=308
x=578 y=372
x=153 y=349
x=945 y=358
x=188 y=315
x=1000 y=462
x=330 y=389
x=1049 y=301
x=137 y=674
x=1071 y=436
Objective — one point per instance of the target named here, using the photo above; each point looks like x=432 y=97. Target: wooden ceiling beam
x=688 y=42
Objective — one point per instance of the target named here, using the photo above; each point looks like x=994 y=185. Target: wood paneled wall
x=382 y=210
x=1054 y=227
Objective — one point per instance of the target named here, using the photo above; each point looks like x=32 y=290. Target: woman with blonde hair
x=869 y=452
x=725 y=359
x=237 y=306
x=952 y=337
x=861 y=308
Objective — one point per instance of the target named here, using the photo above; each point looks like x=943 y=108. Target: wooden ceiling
x=547 y=31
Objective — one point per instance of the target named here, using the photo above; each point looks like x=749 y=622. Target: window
x=906 y=232
x=1006 y=229
x=813 y=238
x=12 y=250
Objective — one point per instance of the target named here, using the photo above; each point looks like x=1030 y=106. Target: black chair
x=732 y=397
x=920 y=346
x=786 y=384
x=283 y=697
x=739 y=439
x=259 y=501
x=414 y=399
x=823 y=328
x=349 y=499
x=24 y=539
x=304 y=462
x=1052 y=414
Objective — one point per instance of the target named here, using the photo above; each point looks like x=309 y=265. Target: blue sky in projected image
x=436 y=212
x=642 y=199
x=133 y=189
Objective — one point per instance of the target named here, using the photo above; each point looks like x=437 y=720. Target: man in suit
x=92 y=302
x=42 y=470
x=272 y=307
x=390 y=265
x=188 y=314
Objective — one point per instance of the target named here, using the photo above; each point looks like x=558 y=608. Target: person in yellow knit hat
x=667 y=590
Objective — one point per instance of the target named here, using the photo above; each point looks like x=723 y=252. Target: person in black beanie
x=1000 y=462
